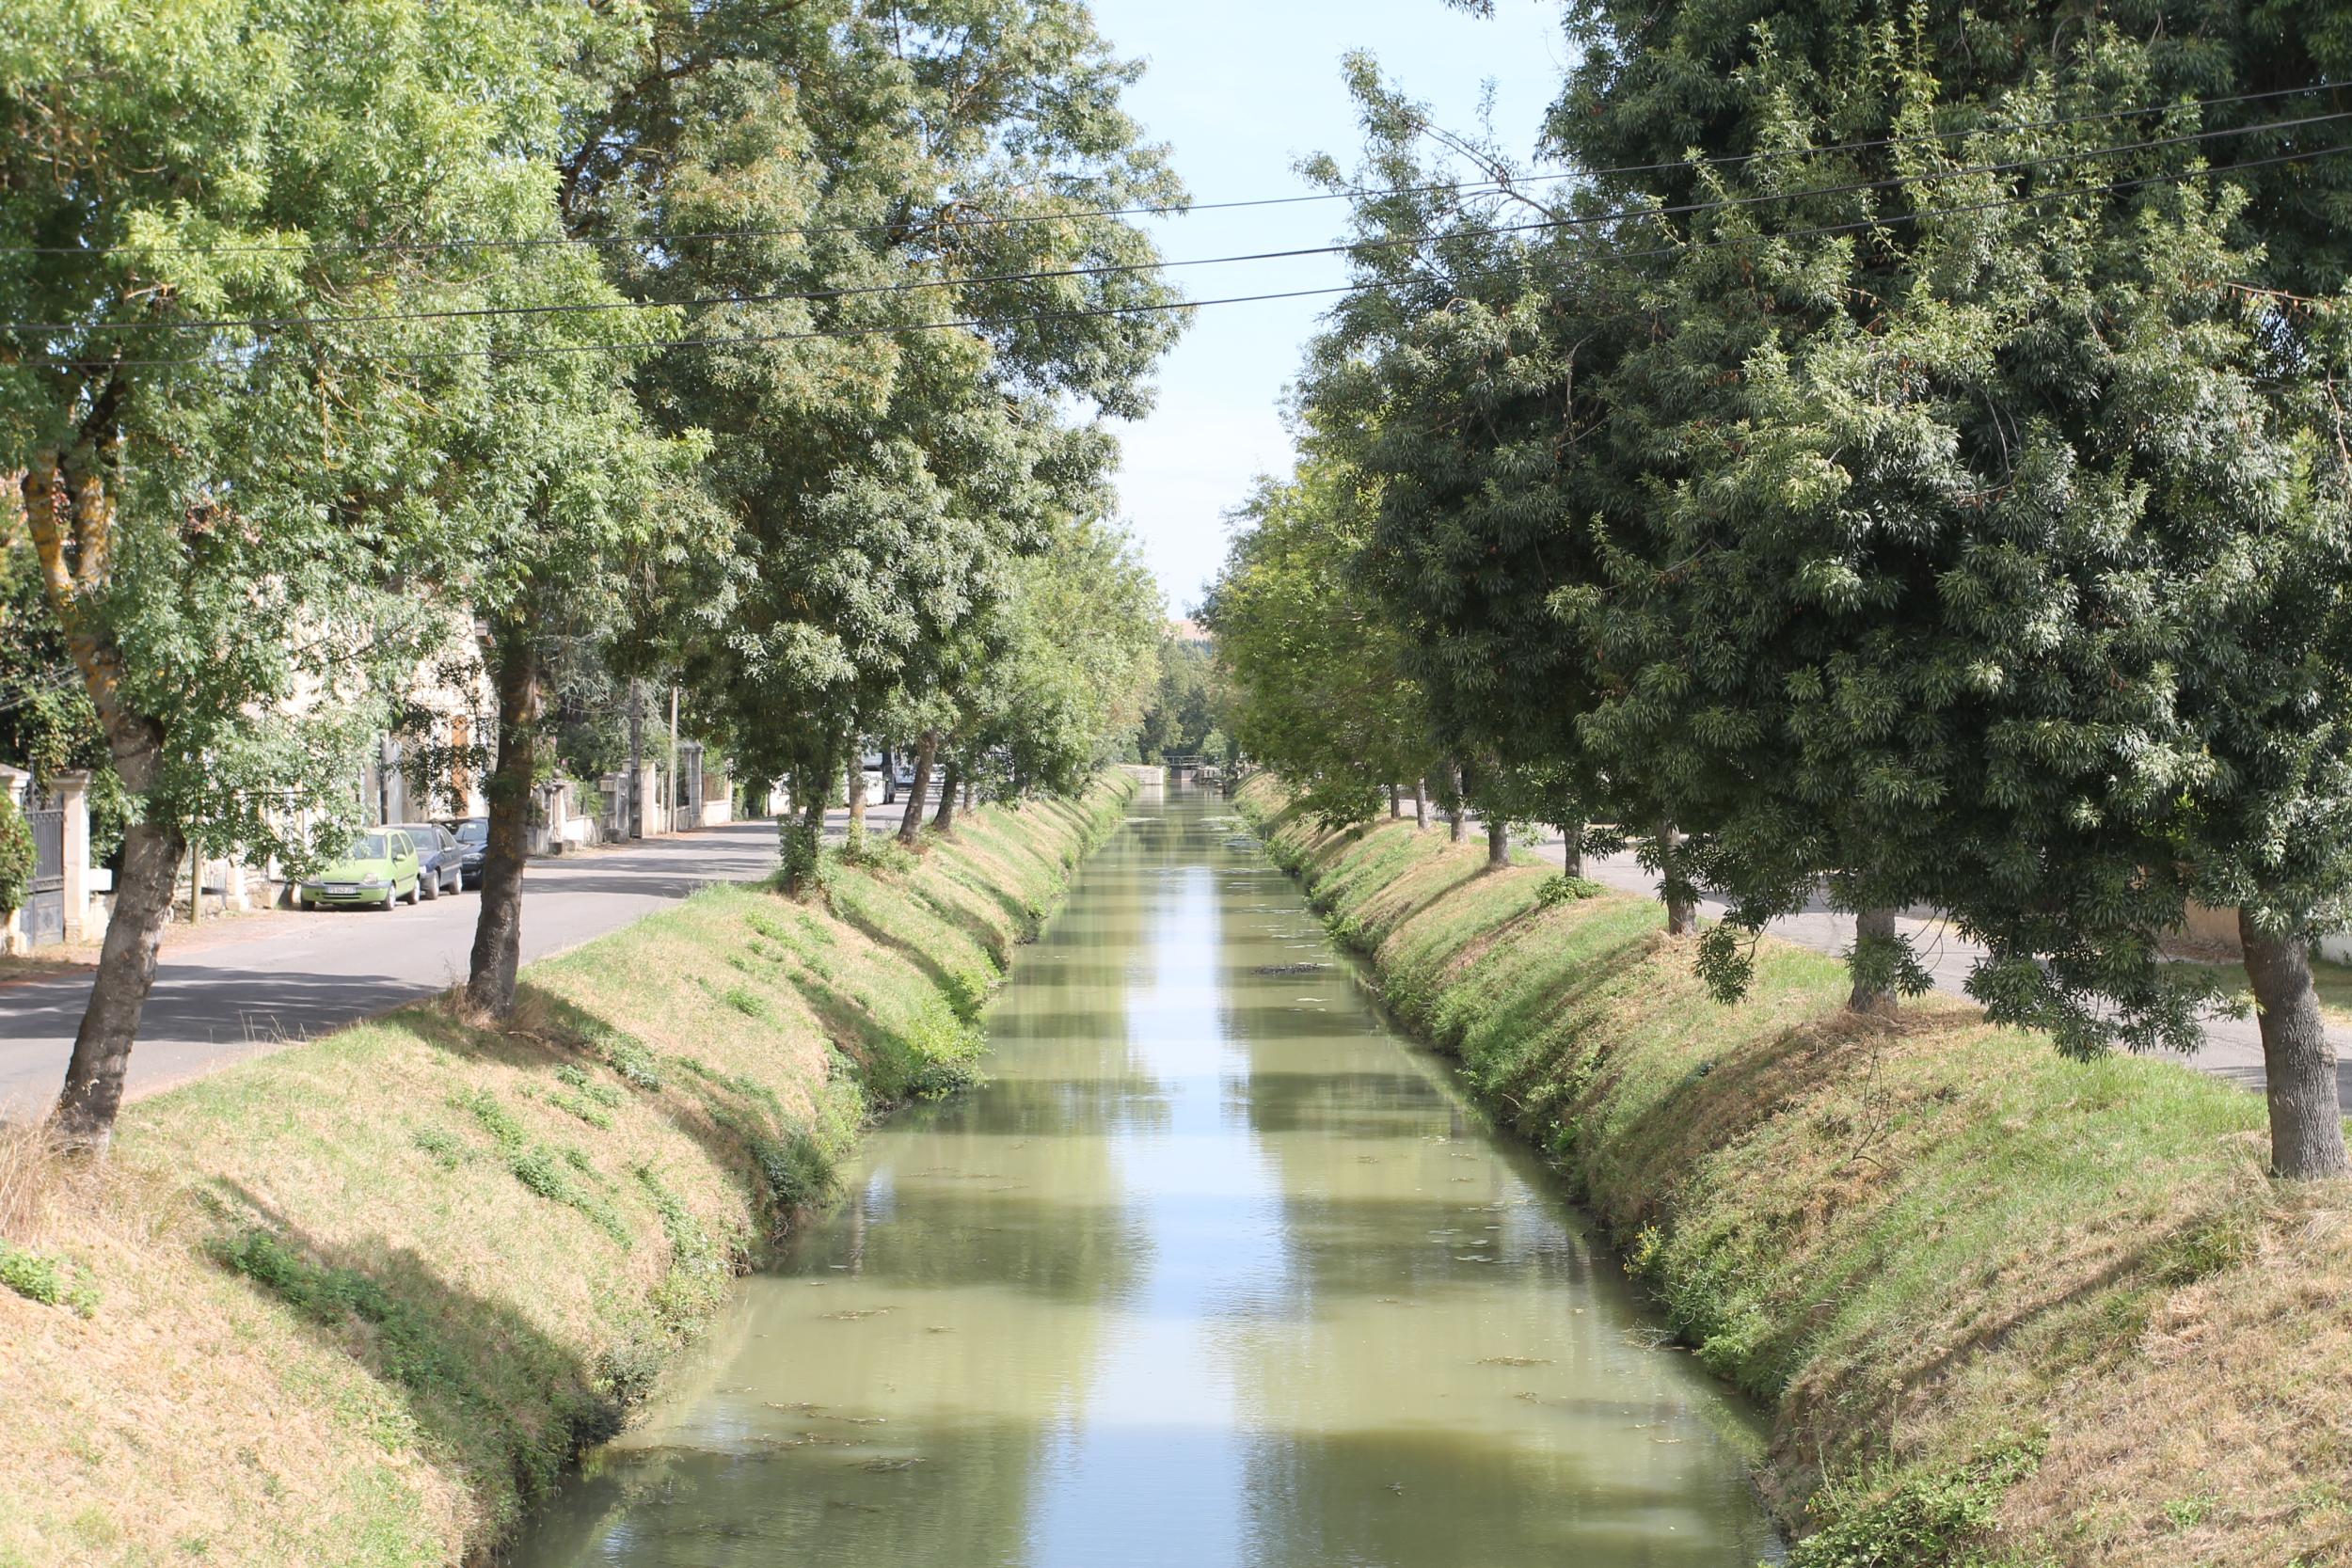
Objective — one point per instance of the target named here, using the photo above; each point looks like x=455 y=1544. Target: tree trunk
x=803 y=832
x=1421 y=804
x=59 y=510
x=1572 y=848
x=1498 y=844
x=855 y=774
x=919 y=792
x=1396 y=804
x=151 y=849
x=498 y=928
x=2306 y=1112
x=1681 y=913
x=1878 y=1001
x=945 y=821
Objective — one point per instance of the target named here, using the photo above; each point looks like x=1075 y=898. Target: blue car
x=473 y=837
x=441 y=858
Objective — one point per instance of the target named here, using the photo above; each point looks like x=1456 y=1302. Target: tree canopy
x=1900 y=466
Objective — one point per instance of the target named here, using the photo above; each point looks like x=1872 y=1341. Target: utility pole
x=636 y=757
x=670 y=801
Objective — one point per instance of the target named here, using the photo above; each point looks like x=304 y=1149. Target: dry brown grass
x=413 y=1338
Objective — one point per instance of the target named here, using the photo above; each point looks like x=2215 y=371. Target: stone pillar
x=649 y=800
x=74 y=796
x=615 y=821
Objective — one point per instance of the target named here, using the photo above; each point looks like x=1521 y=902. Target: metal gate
x=44 y=909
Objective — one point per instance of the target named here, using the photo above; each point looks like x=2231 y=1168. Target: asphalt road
x=239 y=988
x=2232 y=1048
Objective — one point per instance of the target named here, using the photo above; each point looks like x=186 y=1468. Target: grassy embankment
x=359 y=1301
x=2007 y=1310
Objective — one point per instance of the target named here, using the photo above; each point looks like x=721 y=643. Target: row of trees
x=763 y=347
x=1907 y=461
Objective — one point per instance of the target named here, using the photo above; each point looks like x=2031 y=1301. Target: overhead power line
x=1156 y=307
x=986 y=220
x=1123 y=268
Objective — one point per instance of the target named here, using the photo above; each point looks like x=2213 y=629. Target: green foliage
x=1564 y=889
x=579 y=1105
x=876 y=852
x=45 y=1280
x=551 y=1172
x=699 y=1274
x=17 y=862
x=629 y=1058
x=590 y=1088
x=1069 y=652
x=1318 y=673
x=413 y=1354
x=748 y=1002
x=1186 y=702
x=1814 y=513
x=1913 y=1517
x=884 y=485
x=446 y=1149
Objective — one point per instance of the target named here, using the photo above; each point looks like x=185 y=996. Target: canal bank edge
x=359 y=1301
x=2007 y=1309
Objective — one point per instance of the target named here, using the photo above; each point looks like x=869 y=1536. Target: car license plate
x=339 y=889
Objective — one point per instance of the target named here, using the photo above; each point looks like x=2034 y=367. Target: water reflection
x=1215 y=1271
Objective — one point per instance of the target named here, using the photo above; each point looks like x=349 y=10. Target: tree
x=1184 y=702
x=567 y=500
x=896 y=196
x=1996 y=553
x=1315 y=666
x=1070 y=656
x=222 y=493
x=1463 y=379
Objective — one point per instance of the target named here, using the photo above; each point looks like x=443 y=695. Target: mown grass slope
x=359 y=1301
x=2007 y=1308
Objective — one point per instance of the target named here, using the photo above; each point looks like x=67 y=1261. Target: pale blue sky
x=1241 y=90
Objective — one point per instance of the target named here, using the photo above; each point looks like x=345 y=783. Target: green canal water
x=1216 y=1271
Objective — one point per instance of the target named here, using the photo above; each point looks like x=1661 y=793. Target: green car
x=381 y=867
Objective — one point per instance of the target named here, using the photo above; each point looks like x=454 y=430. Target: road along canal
x=1217 y=1270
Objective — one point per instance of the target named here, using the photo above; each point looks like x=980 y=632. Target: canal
x=1216 y=1271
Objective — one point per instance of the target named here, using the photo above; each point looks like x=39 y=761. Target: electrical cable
x=1816 y=231
x=1169 y=210
x=1115 y=269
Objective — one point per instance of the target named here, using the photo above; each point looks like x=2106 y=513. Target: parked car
x=378 y=866
x=442 y=858
x=473 y=839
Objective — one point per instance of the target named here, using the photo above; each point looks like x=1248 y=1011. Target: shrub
x=447 y=1149
x=16 y=857
x=590 y=1089
x=1916 y=1516
x=44 y=1280
x=876 y=852
x=1561 y=888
